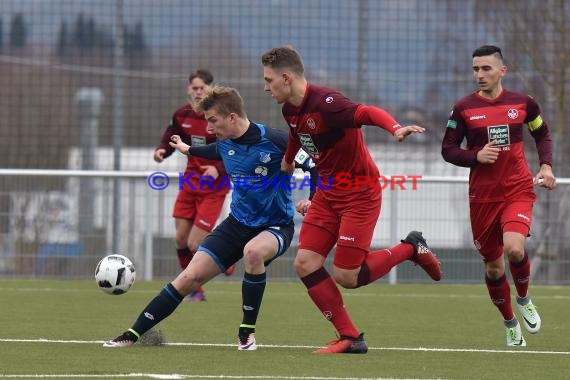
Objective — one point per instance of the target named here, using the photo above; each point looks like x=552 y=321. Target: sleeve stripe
x=535 y=124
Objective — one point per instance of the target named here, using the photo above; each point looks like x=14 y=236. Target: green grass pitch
x=54 y=329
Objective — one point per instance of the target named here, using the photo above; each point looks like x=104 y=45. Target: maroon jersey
x=481 y=121
x=191 y=127
x=324 y=125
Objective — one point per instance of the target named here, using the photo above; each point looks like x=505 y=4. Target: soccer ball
x=115 y=274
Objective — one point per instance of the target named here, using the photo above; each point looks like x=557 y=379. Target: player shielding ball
x=326 y=125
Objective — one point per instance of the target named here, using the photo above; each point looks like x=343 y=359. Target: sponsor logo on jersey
x=184 y=125
x=512 y=113
x=451 y=124
x=346 y=238
x=500 y=134
x=198 y=140
x=308 y=143
x=264 y=157
x=478 y=117
x=261 y=170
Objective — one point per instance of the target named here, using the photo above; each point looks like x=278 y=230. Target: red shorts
x=347 y=221
x=489 y=221
x=204 y=210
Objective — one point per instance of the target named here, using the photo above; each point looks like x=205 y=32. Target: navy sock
x=159 y=308
x=252 y=289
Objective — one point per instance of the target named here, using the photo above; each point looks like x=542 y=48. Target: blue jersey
x=261 y=191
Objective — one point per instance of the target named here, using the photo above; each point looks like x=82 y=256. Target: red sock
x=521 y=275
x=325 y=294
x=378 y=263
x=184 y=257
x=500 y=293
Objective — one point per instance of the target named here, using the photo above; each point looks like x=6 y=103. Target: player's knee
x=299 y=265
x=188 y=281
x=514 y=252
x=494 y=273
x=252 y=255
x=180 y=240
x=303 y=266
x=345 y=279
x=307 y=262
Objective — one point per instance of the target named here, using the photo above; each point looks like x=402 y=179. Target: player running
x=501 y=194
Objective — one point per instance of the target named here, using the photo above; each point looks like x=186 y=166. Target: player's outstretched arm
x=177 y=143
x=401 y=133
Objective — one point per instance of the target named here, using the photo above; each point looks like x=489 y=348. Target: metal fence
x=62 y=232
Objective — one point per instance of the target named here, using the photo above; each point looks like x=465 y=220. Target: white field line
x=345 y=294
x=280 y=346
x=190 y=376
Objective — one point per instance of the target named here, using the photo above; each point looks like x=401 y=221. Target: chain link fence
x=91 y=85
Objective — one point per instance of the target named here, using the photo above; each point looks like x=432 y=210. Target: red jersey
x=324 y=125
x=191 y=127
x=481 y=121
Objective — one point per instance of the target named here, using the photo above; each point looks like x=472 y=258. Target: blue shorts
x=226 y=243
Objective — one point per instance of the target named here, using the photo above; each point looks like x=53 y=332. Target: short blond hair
x=225 y=100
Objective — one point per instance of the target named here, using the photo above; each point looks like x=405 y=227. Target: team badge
x=264 y=157
x=311 y=123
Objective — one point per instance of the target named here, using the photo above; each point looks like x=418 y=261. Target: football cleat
x=423 y=256
x=345 y=345
x=514 y=336
x=531 y=319
x=126 y=339
x=247 y=342
x=196 y=296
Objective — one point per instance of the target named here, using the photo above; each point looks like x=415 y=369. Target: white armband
x=301 y=157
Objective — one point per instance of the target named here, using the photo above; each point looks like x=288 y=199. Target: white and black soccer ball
x=115 y=274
